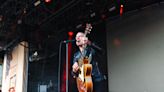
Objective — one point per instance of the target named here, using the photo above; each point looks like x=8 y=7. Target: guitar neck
x=88 y=29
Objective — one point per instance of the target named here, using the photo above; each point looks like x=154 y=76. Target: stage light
x=121 y=9
x=51 y=5
x=119 y=4
x=93 y=15
x=112 y=8
x=79 y=26
x=37 y=3
x=70 y=33
x=35 y=53
x=47 y=1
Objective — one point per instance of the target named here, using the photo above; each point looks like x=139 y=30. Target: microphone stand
x=66 y=67
x=67 y=60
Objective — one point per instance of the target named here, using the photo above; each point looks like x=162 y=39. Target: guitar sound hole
x=88 y=72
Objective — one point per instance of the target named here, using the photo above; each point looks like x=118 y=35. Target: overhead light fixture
x=37 y=3
x=79 y=26
x=121 y=9
x=70 y=33
x=47 y=1
x=112 y=8
x=35 y=53
x=34 y=56
x=93 y=14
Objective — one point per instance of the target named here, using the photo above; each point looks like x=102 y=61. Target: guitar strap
x=85 y=54
x=88 y=54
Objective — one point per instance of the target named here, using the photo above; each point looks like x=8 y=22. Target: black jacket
x=96 y=74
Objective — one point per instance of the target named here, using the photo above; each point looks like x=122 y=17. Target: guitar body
x=84 y=79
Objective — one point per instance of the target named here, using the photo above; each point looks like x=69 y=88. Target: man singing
x=89 y=51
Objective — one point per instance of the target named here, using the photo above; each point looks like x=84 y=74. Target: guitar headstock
x=88 y=28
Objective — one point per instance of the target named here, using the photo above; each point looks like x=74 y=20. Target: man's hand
x=75 y=67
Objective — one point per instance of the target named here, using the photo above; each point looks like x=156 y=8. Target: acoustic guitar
x=84 y=79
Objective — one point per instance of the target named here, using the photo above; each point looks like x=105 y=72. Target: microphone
x=67 y=41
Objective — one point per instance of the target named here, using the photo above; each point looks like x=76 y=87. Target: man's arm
x=75 y=66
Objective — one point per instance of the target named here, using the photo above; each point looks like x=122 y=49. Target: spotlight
x=70 y=33
x=121 y=9
x=79 y=26
x=93 y=14
x=35 y=53
x=37 y=3
x=47 y=1
x=112 y=8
